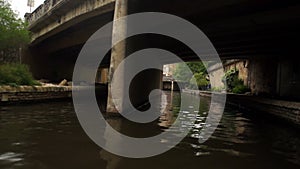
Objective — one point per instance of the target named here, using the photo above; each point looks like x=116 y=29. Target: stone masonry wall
x=286 y=110
x=10 y=94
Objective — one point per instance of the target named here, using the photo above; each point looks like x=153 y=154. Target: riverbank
x=19 y=94
x=287 y=110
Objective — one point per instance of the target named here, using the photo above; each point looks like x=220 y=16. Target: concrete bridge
x=264 y=31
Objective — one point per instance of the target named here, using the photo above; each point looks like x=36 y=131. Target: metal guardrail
x=41 y=10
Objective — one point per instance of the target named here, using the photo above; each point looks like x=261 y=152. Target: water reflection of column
x=112 y=160
x=171 y=100
x=214 y=116
x=166 y=119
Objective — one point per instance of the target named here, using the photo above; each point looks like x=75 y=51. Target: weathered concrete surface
x=216 y=73
x=54 y=57
x=263 y=28
x=142 y=85
x=263 y=75
x=118 y=54
x=288 y=79
x=64 y=14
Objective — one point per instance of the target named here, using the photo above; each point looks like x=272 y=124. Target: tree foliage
x=201 y=81
x=13 y=32
x=199 y=72
x=181 y=73
x=234 y=84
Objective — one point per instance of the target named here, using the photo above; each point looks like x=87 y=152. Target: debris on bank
x=45 y=91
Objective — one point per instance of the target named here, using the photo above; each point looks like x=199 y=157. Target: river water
x=49 y=136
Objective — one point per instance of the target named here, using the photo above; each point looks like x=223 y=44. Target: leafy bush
x=240 y=89
x=201 y=81
x=16 y=74
x=231 y=78
x=233 y=83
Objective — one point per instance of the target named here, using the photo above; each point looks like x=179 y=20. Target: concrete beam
x=65 y=15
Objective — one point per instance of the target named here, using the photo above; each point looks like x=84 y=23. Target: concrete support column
x=288 y=80
x=263 y=76
x=118 y=53
x=142 y=85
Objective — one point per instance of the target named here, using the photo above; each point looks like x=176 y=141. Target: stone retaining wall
x=287 y=110
x=10 y=94
x=290 y=111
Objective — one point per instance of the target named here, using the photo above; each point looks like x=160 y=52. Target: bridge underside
x=53 y=58
x=264 y=31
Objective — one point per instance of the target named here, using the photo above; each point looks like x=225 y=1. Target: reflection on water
x=48 y=136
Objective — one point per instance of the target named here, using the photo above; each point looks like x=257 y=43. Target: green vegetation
x=201 y=81
x=13 y=33
x=16 y=74
x=240 y=89
x=199 y=71
x=234 y=84
x=231 y=79
x=217 y=89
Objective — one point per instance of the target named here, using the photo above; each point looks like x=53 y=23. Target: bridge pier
x=118 y=53
x=143 y=83
x=263 y=75
x=275 y=77
x=288 y=81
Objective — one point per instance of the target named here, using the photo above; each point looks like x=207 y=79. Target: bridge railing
x=41 y=10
